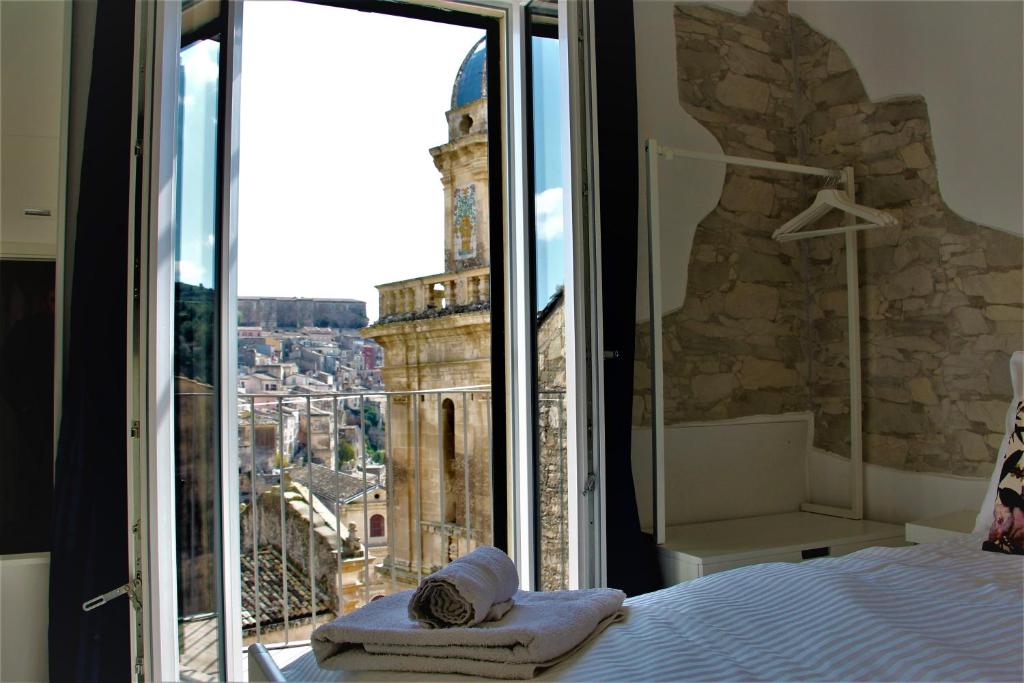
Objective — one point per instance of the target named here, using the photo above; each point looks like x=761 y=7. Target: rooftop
x=271 y=600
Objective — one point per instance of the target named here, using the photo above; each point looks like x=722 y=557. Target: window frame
x=158 y=41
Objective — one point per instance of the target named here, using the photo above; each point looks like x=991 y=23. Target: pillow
x=1006 y=533
x=984 y=519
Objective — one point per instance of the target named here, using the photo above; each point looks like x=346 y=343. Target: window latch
x=130 y=589
x=590 y=485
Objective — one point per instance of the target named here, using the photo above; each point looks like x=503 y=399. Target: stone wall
x=763 y=326
x=552 y=472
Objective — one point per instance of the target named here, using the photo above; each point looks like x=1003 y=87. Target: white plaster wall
x=726 y=470
x=892 y=495
x=965 y=58
x=761 y=465
x=689 y=189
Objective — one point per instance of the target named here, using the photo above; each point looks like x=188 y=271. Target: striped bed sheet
x=936 y=612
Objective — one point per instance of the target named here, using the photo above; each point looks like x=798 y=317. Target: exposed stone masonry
x=763 y=326
x=552 y=472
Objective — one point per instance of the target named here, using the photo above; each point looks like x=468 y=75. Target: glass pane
x=549 y=278
x=197 y=458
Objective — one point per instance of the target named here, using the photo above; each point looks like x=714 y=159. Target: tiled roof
x=271 y=612
x=330 y=485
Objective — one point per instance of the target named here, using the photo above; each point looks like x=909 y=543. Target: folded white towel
x=540 y=630
x=475 y=588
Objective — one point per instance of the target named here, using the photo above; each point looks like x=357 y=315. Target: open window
x=323 y=453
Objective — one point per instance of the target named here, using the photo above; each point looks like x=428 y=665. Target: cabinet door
x=31 y=54
x=32 y=42
x=30 y=192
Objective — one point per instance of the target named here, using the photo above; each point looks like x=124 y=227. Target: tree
x=346 y=453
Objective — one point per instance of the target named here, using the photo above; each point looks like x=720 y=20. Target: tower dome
x=471 y=82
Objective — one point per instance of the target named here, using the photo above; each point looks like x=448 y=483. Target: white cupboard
x=33 y=115
x=34 y=70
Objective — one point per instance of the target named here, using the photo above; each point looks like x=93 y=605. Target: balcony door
x=291 y=468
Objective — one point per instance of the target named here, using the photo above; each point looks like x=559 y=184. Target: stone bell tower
x=462 y=162
x=436 y=333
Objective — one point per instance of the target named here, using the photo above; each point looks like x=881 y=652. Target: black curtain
x=631 y=555
x=89 y=534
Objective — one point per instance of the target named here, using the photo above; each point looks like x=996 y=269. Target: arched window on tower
x=451 y=483
x=377 y=529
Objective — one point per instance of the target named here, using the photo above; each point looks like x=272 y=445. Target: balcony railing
x=348 y=496
x=379 y=490
x=435 y=294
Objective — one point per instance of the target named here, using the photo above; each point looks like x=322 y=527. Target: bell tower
x=462 y=162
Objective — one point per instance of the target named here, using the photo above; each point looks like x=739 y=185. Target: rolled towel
x=471 y=590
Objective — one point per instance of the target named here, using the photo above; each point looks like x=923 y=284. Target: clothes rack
x=655 y=152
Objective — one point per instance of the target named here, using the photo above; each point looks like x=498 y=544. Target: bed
x=936 y=612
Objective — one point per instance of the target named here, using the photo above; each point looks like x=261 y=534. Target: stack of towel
x=468 y=618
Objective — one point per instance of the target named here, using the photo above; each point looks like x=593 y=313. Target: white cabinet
x=941 y=527
x=33 y=87
x=24 y=619
x=694 y=550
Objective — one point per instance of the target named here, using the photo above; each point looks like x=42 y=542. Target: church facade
x=436 y=334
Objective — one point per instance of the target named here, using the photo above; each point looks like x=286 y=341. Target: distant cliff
x=286 y=313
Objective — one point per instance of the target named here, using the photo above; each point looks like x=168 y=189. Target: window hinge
x=138 y=149
x=591 y=484
x=135 y=429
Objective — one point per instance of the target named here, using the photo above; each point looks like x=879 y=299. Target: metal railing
x=296 y=479
x=315 y=471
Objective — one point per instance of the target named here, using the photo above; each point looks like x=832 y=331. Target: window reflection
x=549 y=278
x=197 y=458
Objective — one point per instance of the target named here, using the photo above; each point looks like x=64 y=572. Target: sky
x=337 y=188
x=196 y=178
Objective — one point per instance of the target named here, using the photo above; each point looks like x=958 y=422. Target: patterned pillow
x=1006 y=535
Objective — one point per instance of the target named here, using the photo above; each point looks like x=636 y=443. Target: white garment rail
x=654 y=152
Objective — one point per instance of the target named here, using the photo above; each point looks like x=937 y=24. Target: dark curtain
x=89 y=533
x=631 y=555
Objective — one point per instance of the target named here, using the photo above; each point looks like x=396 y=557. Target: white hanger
x=825 y=201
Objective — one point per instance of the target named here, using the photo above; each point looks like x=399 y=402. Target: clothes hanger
x=826 y=200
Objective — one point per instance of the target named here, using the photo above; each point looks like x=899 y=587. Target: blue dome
x=471 y=83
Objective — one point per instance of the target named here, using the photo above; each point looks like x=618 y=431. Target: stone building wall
x=551 y=425
x=763 y=326
x=434 y=353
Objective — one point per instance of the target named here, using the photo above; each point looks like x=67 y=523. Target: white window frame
x=158 y=31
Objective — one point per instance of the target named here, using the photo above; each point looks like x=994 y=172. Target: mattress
x=936 y=612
